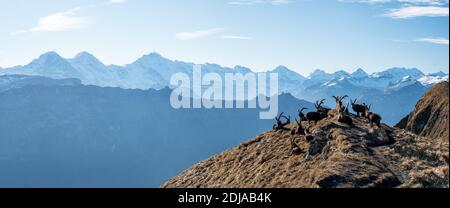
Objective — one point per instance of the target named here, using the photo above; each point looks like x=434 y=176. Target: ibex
x=281 y=125
x=339 y=105
x=299 y=130
x=320 y=114
x=358 y=108
x=347 y=111
x=344 y=118
x=315 y=116
x=295 y=149
x=372 y=117
x=308 y=136
x=321 y=109
x=301 y=115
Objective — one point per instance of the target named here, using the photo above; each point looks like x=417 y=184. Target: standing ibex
x=301 y=115
x=344 y=118
x=299 y=130
x=315 y=117
x=339 y=105
x=281 y=125
x=358 y=108
x=372 y=117
x=347 y=111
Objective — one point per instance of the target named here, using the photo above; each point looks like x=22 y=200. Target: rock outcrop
x=430 y=117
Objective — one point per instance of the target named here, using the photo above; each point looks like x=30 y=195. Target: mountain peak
x=84 y=54
x=282 y=67
x=341 y=74
x=154 y=55
x=319 y=73
x=86 y=58
x=438 y=74
x=403 y=70
x=50 y=55
x=151 y=58
x=283 y=71
x=359 y=73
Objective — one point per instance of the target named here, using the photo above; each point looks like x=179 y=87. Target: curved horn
x=279 y=117
x=286 y=117
x=322 y=102
x=342 y=98
x=301 y=111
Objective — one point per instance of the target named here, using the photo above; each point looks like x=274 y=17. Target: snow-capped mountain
x=432 y=79
x=289 y=81
x=49 y=65
x=94 y=72
x=359 y=74
x=153 y=71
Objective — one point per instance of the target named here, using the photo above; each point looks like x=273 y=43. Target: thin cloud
x=198 y=34
x=235 y=37
x=438 y=41
x=255 y=2
x=417 y=11
x=62 y=21
x=117 y=1
x=410 y=8
x=404 y=2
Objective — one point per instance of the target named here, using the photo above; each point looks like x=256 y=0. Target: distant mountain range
x=401 y=85
x=153 y=71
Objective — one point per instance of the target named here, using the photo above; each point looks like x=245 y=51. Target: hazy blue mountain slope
x=17 y=81
x=394 y=104
x=85 y=136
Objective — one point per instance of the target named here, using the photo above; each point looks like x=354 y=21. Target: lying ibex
x=372 y=117
x=358 y=108
x=295 y=149
x=339 y=105
x=320 y=108
x=281 y=125
x=308 y=136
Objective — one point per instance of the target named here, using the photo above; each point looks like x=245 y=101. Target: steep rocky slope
x=340 y=156
x=430 y=116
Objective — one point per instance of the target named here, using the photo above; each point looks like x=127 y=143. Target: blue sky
x=303 y=35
